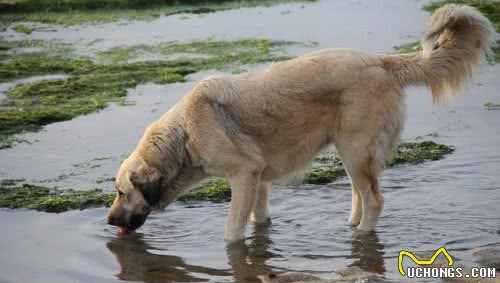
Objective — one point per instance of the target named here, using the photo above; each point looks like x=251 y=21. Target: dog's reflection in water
x=246 y=259
x=138 y=264
x=367 y=252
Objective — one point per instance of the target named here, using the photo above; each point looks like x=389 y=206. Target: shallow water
x=346 y=23
x=451 y=202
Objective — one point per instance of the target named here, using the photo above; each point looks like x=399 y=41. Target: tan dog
x=257 y=128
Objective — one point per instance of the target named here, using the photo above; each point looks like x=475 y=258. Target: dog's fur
x=257 y=128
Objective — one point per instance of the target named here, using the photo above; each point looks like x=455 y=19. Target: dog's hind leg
x=260 y=210
x=364 y=171
x=356 y=207
x=367 y=186
x=365 y=135
x=372 y=201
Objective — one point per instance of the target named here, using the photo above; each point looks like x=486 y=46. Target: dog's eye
x=121 y=194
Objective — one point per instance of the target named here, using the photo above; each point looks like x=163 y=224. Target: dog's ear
x=148 y=181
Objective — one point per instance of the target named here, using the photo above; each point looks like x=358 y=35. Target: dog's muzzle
x=133 y=222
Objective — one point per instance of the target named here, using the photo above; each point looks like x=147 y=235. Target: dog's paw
x=365 y=229
x=260 y=221
x=354 y=222
x=234 y=235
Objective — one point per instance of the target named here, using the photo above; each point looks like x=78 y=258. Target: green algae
x=418 y=152
x=22 y=29
x=405 y=153
x=74 y=200
x=10 y=48
x=408 y=47
x=326 y=169
x=216 y=190
x=92 y=85
x=51 y=200
x=246 y=50
x=71 y=12
x=54 y=49
x=324 y=175
x=20 y=197
x=491 y=106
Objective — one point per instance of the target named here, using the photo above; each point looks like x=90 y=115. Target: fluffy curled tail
x=456 y=41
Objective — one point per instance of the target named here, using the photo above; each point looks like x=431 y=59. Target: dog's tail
x=456 y=41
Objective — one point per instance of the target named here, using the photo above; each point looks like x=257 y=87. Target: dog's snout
x=133 y=221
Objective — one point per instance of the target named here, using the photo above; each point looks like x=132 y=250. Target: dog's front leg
x=243 y=190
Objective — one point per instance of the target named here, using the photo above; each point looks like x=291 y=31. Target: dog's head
x=139 y=189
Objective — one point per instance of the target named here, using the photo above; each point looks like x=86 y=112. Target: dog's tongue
x=124 y=230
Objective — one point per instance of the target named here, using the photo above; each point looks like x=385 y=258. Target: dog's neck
x=163 y=147
x=187 y=178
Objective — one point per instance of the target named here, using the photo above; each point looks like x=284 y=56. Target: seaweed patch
x=51 y=200
x=22 y=29
x=217 y=190
x=491 y=106
x=91 y=86
x=405 y=153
